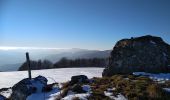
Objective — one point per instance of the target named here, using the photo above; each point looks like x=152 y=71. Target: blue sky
x=88 y=24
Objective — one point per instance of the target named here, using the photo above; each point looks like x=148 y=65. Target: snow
x=155 y=77
x=8 y=79
x=164 y=54
x=167 y=89
x=45 y=95
x=141 y=73
x=109 y=93
x=82 y=96
x=86 y=88
x=2 y=98
x=126 y=78
x=38 y=85
x=53 y=96
x=118 y=97
x=111 y=89
x=70 y=92
x=152 y=42
x=6 y=93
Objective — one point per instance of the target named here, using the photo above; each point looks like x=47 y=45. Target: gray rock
x=2 y=97
x=146 y=53
x=26 y=87
x=79 y=79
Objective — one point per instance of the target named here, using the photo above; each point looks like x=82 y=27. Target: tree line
x=65 y=63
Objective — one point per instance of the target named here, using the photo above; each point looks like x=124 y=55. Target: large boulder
x=26 y=87
x=146 y=53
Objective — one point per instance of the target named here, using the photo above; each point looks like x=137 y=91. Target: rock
x=2 y=97
x=77 y=88
x=146 y=54
x=26 y=87
x=79 y=79
x=3 y=89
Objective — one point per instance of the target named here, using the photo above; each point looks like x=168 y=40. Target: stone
x=26 y=87
x=79 y=79
x=145 y=54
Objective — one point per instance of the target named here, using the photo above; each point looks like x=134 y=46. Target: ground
x=118 y=87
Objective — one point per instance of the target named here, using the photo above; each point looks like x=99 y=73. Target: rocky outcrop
x=146 y=53
x=26 y=87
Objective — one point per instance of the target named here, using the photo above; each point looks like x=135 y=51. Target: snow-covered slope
x=8 y=79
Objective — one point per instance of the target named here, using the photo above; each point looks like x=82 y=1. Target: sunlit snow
x=156 y=77
x=8 y=79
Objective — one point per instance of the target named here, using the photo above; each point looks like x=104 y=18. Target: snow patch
x=70 y=93
x=2 y=98
x=118 y=97
x=45 y=95
x=152 y=42
x=82 y=96
x=164 y=54
x=7 y=93
x=109 y=93
x=38 y=85
x=156 y=77
x=86 y=88
x=111 y=89
x=167 y=89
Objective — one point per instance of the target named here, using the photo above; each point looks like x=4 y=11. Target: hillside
x=79 y=53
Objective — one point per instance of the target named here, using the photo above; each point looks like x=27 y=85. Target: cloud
x=28 y=48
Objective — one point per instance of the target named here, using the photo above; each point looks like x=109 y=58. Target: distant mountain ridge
x=11 y=59
x=79 y=54
x=10 y=67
